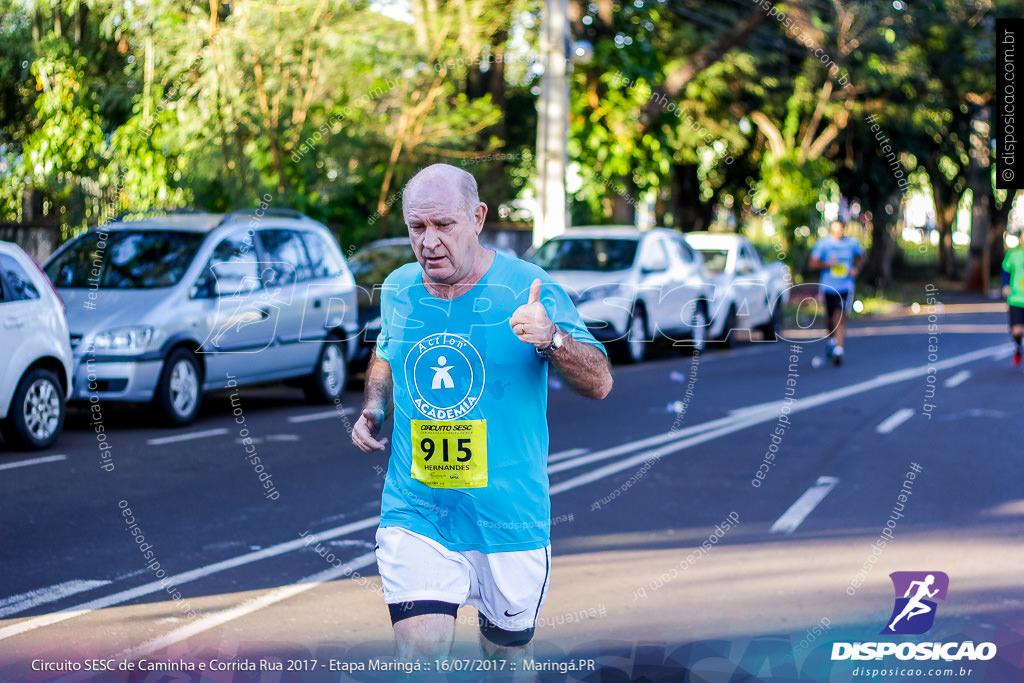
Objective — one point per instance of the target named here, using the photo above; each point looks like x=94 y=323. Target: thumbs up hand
x=530 y=322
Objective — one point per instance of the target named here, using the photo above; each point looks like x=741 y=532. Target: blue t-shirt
x=459 y=360
x=836 y=276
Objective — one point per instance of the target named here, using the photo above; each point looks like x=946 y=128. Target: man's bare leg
x=426 y=636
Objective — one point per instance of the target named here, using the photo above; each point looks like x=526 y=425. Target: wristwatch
x=557 y=339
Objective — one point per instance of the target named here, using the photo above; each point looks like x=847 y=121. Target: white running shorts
x=508 y=588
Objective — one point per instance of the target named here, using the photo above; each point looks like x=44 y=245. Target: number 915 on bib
x=450 y=455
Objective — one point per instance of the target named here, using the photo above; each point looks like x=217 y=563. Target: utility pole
x=553 y=123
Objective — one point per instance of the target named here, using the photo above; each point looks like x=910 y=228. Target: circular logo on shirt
x=446 y=376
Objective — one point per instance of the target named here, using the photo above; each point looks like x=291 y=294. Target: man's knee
x=401 y=611
x=502 y=637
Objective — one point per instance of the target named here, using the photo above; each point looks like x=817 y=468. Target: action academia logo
x=447 y=376
x=914 y=611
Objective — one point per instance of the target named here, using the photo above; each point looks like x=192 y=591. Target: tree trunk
x=623 y=210
x=945 y=212
x=689 y=213
x=878 y=266
x=979 y=260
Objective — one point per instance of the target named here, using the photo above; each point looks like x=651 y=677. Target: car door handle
x=11 y=323
x=316 y=304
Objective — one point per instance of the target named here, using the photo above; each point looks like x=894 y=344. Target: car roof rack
x=152 y=212
x=280 y=213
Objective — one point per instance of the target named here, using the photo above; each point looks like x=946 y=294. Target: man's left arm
x=583 y=366
x=858 y=260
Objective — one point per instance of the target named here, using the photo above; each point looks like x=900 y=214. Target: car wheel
x=773 y=328
x=728 y=340
x=638 y=343
x=180 y=390
x=37 y=409
x=327 y=383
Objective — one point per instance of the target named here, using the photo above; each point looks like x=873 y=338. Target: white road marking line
x=1002 y=353
x=322 y=415
x=958 y=379
x=737 y=423
x=41 y=596
x=179 y=579
x=33 y=461
x=762 y=414
x=188 y=436
x=804 y=505
x=889 y=424
x=265 y=600
x=571 y=453
x=270 y=437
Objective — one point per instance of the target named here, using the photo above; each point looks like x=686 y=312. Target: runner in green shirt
x=1013 y=289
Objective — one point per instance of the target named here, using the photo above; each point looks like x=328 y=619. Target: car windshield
x=126 y=259
x=583 y=253
x=715 y=259
x=372 y=264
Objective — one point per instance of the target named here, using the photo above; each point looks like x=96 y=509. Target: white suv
x=35 y=378
x=631 y=287
x=165 y=307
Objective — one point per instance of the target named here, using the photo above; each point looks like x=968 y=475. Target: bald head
x=444 y=215
x=443 y=180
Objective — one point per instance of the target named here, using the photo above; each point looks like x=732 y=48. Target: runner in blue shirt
x=839 y=259
x=462 y=360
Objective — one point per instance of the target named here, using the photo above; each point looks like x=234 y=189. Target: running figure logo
x=914 y=612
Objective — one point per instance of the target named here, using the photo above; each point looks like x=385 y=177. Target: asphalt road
x=670 y=461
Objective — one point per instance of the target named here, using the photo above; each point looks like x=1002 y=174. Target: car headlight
x=597 y=293
x=123 y=340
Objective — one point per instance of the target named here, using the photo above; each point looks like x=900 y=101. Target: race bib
x=450 y=455
x=840 y=270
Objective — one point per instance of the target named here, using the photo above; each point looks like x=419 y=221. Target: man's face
x=443 y=232
x=837 y=230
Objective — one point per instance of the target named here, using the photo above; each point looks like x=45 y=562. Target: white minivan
x=35 y=375
x=163 y=307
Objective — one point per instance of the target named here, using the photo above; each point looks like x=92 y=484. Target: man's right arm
x=816 y=263
x=377 y=406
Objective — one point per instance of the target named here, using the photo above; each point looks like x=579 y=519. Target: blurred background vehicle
x=748 y=293
x=631 y=287
x=35 y=377
x=370 y=266
x=163 y=307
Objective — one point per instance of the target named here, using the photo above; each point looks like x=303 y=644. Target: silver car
x=164 y=307
x=35 y=375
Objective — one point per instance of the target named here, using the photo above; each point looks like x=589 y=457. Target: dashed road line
x=889 y=424
x=804 y=505
x=321 y=415
x=32 y=461
x=188 y=436
x=957 y=379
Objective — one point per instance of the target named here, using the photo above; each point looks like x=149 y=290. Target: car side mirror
x=203 y=288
